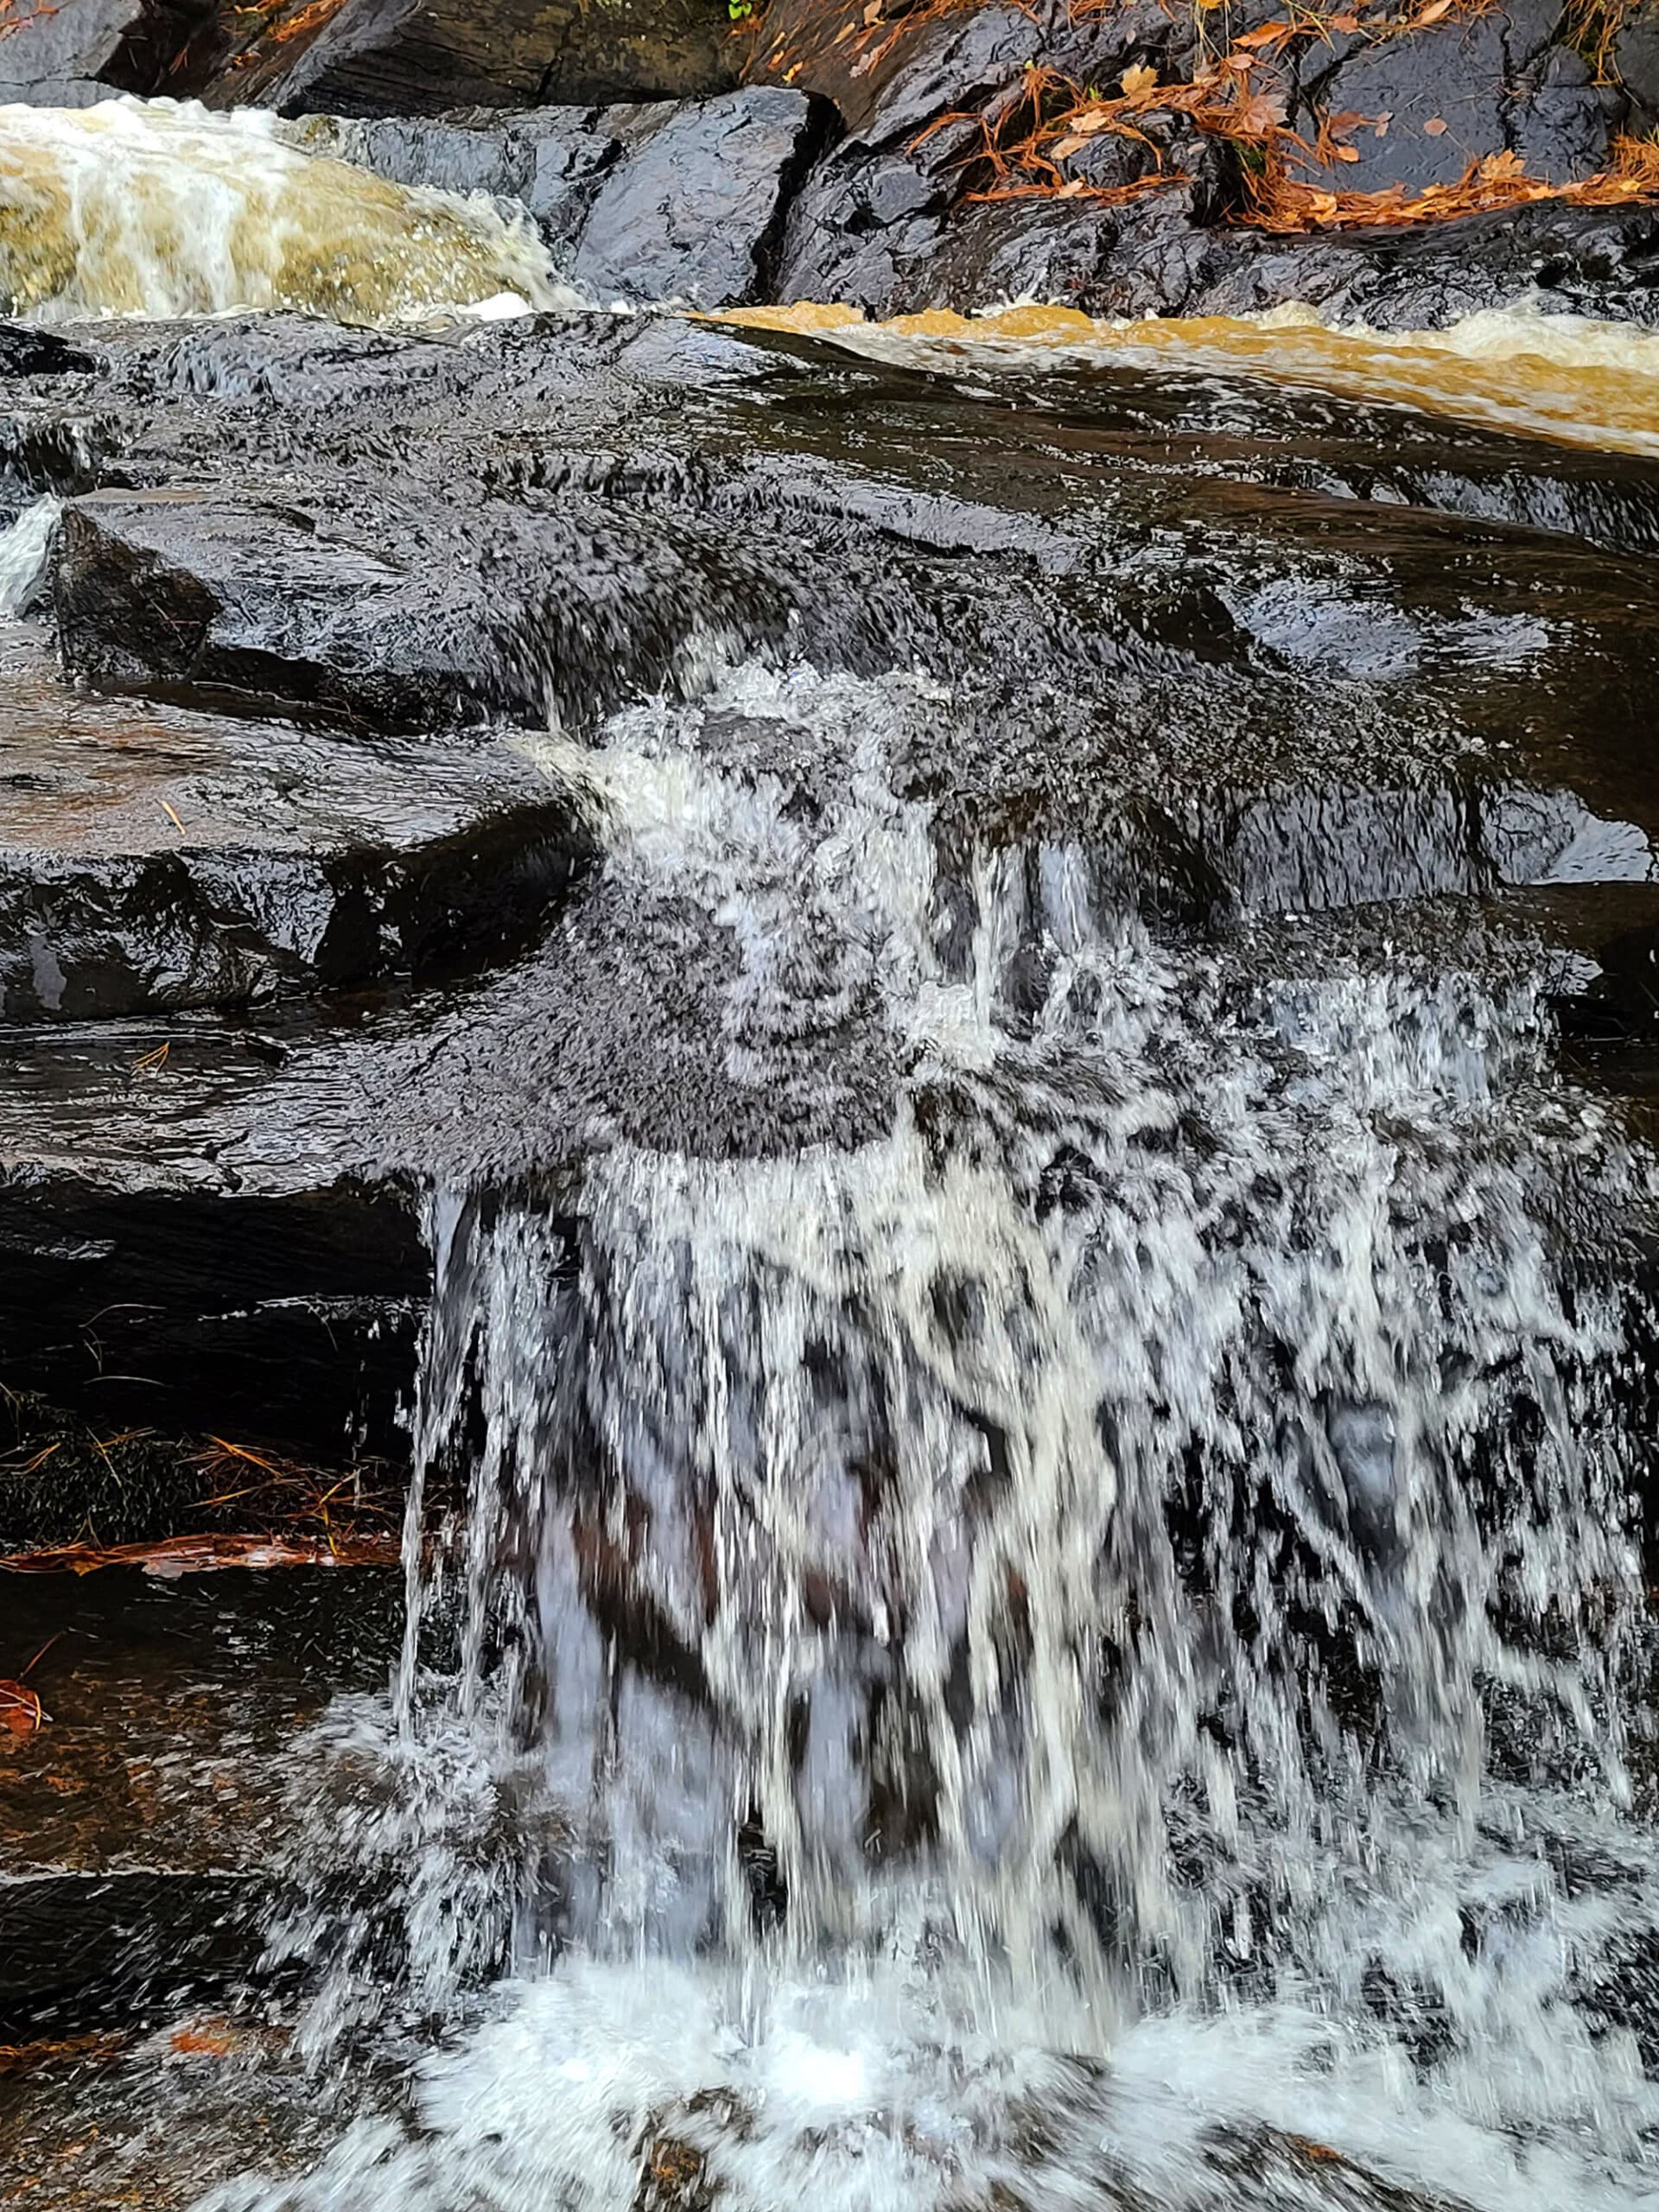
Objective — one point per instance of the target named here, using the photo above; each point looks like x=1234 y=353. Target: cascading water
x=1069 y=1655
x=158 y=209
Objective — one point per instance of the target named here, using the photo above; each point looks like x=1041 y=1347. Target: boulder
x=424 y=57
x=1421 y=110
x=653 y=201
x=695 y=208
x=1636 y=61
x=551 y=161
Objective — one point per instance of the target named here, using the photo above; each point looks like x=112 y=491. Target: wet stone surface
x=771 y=728
x=158 y=858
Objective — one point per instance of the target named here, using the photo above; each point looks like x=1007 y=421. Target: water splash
x=1006 y=1666
x=24 y=545
x=159 y=208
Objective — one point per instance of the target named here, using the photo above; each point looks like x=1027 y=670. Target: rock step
x=156 y=859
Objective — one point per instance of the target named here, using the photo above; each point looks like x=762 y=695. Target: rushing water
x=1089 y=1651
x=993 y=1669
x=156 y=208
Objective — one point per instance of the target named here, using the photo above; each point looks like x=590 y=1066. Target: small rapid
x=159 y=208
x=1076 y=1654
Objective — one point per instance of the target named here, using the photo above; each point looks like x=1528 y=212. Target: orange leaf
x=1434 y=10
x=20 y=1709
x=1138 y=78
x=1263 y=35
x=1435 y=127
x=1347 y=153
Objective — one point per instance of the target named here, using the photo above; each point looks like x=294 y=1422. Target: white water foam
x=1035 y=1662
x=24 y=545
x=159 y=208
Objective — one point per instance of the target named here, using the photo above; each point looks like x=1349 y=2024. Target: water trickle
x=1013 y=1665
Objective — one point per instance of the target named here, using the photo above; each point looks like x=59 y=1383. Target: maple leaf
x=1501 y=168
x=1138 y=78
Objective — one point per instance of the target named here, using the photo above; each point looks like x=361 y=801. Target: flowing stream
x=1087 y=1652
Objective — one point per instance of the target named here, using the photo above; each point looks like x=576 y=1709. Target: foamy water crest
x=1047 y=1659
x=159 y=208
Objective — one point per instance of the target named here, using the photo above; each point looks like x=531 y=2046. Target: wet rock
x=79 y=52
x=155 y=860
x=404 y=613
x=694 y=211
x=157 y=1291
x=1431 y=103
x=141 y=1827
x=1420 y=111
x=1635 y=61
x=424 y=57
x=551 y=160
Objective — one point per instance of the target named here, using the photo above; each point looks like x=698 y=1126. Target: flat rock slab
x=399 y=613
x=154 y=859
x=171 y=1706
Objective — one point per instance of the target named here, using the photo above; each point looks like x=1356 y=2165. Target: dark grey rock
x=549 y=161
x=153 y=859
x=1635 y=61
x=695 y=210
x=77 y=52
x=1432 y=102
x=426 y=57
x=402 y=613
x=1565 y=130
x=1459 y=92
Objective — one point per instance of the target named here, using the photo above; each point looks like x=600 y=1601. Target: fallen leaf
x=1263 y=35
x=1348 y=23
x=20 y=1709
x=1320 y=2153
x=1381 y=126
x=1067 y=147
x=1435 y=127
x=212 y=2039
x=1138 y=78
x=873 y=13
x=1347 y=153
x=1434 y=10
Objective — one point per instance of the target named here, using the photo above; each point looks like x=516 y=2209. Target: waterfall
x=1045 y=1660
